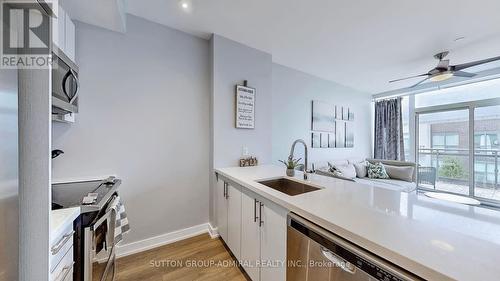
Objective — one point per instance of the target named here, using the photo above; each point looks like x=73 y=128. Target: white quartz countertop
x=434 y=239
x=60 y=219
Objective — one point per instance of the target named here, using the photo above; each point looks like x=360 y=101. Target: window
x=445 y=140
x=465 y=93
x=438 y=141
x=444 y=120
x=486 y=140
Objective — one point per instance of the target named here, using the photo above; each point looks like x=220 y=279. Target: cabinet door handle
x=58 y=246
x=64 y=272
x=225 y=190
x=261 y=222
x=255 y=217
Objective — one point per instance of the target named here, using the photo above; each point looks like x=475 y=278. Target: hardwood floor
x=196 y=258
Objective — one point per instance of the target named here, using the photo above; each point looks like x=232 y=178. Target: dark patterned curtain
x=389 y=130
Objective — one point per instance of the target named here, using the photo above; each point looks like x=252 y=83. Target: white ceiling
x=107 y=14
x=359 y=43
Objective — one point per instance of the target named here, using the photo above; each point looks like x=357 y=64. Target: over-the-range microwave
x=64 y=87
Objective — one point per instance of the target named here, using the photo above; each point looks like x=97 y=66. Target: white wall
x=144 y=116
x=293 y=92
x=231 y=63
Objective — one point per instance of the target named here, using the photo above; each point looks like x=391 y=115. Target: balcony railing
x=455 y=161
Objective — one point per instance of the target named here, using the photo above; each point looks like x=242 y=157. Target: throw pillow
x=404 y=173
x=347 y=171
x=377 y=171
x=336 y=174
x=361 y=171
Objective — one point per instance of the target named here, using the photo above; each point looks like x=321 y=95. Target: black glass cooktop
x=71 y=194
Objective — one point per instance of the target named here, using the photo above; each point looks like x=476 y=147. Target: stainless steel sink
x=289 y=187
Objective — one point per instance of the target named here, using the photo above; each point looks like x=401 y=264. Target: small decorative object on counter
x=291 y=164
x=249 y=161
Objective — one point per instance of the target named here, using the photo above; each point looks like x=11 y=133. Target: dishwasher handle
x=338 y=261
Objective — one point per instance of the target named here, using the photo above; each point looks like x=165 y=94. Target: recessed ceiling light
x=185 y=5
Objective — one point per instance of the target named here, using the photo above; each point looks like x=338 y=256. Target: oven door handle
x=101 y=220
x=97 y=222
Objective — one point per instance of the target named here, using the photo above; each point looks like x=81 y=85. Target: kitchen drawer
x=69 y=277
x=60 y=246
x=64 y=269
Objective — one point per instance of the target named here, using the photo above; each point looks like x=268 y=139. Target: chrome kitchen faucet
x=305 y=155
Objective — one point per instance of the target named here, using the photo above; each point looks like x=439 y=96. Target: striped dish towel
x=121 y=224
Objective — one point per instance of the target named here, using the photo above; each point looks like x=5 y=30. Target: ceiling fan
x=444 y=71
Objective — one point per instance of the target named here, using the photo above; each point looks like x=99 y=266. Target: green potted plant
x=291 y=164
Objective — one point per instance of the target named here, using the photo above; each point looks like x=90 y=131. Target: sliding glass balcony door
x=443 y=150
x=458 y=149
x=487 y=152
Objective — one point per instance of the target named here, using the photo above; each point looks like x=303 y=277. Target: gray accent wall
x=293 y=92
x=144 y=116
x=157 y=108
x=231 y=63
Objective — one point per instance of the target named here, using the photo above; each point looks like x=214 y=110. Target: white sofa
x=322 y=168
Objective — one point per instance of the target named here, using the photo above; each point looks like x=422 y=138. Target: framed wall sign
x=245 y=107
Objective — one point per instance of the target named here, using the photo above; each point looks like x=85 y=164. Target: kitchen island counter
x=433 y=239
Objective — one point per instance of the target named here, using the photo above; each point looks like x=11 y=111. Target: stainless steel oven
x=64 y=84
x=316 y=254
x=100 y=253
x=93 y=242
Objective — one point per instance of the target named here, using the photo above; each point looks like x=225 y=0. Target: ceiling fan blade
x=421 y=75
x=474 y=63
x=420 y=82
x=464 y=74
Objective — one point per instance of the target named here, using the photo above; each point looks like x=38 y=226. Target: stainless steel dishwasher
x=314 y=254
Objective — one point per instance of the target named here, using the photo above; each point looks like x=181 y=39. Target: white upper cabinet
x=63 y=32
x=58 y=22
x=69 y=47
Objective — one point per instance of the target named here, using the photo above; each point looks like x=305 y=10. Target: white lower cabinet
x=234 y=220
x=221 y=209
x=229 y=215
x=250 y=236
x=273 y=243
x=254 y=229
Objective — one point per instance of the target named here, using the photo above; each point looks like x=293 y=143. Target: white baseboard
x=164 y=239
x=212 y=231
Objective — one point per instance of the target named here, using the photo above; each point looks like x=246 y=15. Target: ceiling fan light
x=441 y=76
